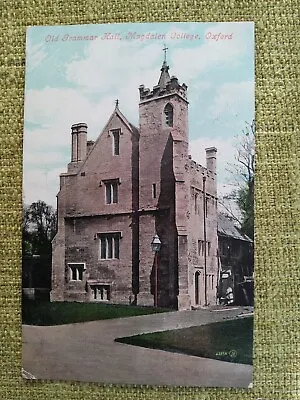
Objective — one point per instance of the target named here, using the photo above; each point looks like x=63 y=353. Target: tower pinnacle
x=164 y=76
x=166 y=84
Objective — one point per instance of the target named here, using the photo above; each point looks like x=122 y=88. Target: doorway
x=197 y=287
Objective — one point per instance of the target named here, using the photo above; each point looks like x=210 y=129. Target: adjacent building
x=120 y=191
x=236 y=261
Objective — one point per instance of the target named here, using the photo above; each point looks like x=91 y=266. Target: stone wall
x=83 y=246
x=202 y=182
x=83 y=214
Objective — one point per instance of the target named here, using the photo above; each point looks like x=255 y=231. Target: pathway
x=87 y=352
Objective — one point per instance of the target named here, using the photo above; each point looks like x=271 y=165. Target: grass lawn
x=227 y=340
x=46 y=313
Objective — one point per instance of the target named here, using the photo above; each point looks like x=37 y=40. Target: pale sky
x=70 y=81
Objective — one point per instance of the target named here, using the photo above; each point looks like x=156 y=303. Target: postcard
x=138 y=232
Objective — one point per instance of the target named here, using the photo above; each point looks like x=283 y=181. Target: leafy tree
x=39 y=228
x=26 y=234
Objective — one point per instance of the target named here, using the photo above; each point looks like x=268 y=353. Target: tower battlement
x=166 y=86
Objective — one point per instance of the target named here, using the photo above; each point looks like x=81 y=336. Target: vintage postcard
x=138 y=194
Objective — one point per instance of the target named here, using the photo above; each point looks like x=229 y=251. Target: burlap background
x=277 y=316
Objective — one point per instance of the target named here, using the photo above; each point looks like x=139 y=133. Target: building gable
x=103 y=182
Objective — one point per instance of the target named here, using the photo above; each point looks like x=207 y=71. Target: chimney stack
x=79 y=142
x=211 y=159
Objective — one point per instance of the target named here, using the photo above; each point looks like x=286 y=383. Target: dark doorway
x=197 y=297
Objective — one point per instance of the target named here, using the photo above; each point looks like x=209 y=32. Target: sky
x=75 y=73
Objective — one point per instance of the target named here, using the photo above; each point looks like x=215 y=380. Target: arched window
x=169 y=114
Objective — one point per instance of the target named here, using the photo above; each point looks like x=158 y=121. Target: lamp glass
x=155 y=244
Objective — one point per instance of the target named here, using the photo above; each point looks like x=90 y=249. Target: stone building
x=124 y=188
x=236 y=259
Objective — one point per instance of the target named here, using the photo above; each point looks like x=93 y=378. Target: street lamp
x=155 y=246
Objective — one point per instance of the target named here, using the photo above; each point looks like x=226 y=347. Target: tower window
x=110 y=246
x=111 y=189
x=116 y=141
x=201 y=247
x=169 y=114
x=154 y=190
x=208 y=248
x=196 y=203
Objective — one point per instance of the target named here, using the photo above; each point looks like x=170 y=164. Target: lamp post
x=155 y=246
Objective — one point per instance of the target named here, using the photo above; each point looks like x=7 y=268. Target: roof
x=133 y=129
x=130 y=126
x=164 y=76
x=227 y=228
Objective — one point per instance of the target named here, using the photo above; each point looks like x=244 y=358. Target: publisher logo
x=231 y=353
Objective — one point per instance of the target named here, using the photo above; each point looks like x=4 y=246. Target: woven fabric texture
x=276 y=351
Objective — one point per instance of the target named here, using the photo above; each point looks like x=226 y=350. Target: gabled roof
x=133 y=129
x=125 y=121
x=227 y=228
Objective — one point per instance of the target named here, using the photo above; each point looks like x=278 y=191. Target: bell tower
x=163 y=112
x=163 y=117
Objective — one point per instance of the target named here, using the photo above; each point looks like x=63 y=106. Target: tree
x=245 y=201
x=26 y=235
x=244 y=167
x=243 y=172
x=39 y=228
